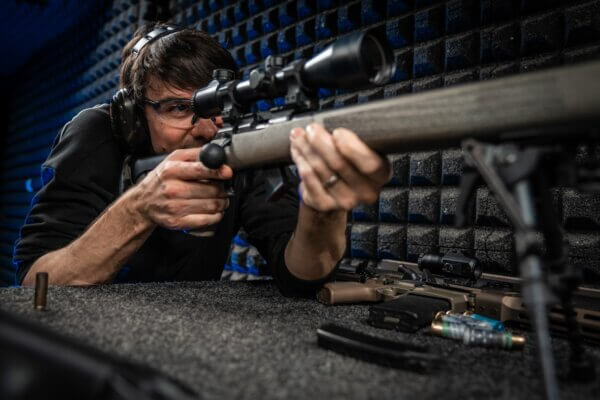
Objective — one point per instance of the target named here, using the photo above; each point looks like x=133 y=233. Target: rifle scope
x=356 y=60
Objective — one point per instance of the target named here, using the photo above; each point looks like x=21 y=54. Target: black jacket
x=81 y=178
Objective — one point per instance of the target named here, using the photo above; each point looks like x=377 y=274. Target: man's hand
x=181 y=193
x=338 y=170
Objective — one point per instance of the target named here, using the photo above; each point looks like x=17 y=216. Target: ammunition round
x=476 y=336
x=41 y=289
x=471 y=320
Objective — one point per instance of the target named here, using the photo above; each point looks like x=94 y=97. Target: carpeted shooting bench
x=245 y=340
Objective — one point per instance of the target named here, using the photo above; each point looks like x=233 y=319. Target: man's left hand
x=338 y=170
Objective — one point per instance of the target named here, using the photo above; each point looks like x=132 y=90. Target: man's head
x=162 y=78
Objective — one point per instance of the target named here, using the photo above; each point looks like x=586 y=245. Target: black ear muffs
x=128 y=125
x=127 y=118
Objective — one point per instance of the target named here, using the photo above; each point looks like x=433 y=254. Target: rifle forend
x=510 y=108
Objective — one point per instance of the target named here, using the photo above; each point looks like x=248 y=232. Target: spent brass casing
x=41 y=289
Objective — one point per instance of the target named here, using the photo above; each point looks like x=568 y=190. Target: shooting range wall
x=436 y=44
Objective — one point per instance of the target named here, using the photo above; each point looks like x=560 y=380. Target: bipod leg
x=502 y=166
x=563 y=279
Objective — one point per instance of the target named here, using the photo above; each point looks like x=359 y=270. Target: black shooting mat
x=245 y=340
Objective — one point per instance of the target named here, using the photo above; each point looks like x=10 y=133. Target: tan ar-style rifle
x=494 y=296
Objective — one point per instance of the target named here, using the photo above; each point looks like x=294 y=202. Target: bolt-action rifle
x=519 y=136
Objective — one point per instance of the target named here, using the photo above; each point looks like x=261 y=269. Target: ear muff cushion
x=122 y=114
x=128 y=125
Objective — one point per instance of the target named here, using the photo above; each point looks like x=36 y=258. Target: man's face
x=170 y=125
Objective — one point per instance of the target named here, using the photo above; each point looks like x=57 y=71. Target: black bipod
x=518 y=178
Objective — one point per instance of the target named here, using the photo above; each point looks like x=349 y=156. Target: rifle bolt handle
x=212 y=155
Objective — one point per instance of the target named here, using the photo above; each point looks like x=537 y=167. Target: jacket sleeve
x=80 y=179
x=269 y=226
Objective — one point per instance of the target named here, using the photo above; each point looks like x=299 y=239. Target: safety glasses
x=174 y=112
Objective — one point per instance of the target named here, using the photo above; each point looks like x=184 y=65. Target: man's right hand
x=181 y=193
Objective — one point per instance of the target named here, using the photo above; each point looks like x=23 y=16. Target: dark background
x=60 y=57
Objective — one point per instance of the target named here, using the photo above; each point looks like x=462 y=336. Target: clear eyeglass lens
x=176 y=112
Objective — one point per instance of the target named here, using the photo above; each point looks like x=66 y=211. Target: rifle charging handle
x=213 y=156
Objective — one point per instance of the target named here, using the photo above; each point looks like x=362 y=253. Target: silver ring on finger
x=332 y=180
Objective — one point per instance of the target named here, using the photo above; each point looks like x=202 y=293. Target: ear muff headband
x=152 y=36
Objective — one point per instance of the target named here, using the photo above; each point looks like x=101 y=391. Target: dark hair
x=184 y=59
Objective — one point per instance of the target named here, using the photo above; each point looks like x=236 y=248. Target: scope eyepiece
x=206 y=102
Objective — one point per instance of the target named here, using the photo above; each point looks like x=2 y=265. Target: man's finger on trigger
x=188 y=171
x=208 y=206
x=203 y=190
x=191 y=154
x=184 y=170
x=359 y=154
x=225 y=172
x=200 y=206
x=193 y=221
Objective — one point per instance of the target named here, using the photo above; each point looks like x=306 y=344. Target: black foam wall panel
x=436 y=44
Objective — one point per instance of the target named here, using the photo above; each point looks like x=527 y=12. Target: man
x=82 y=231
